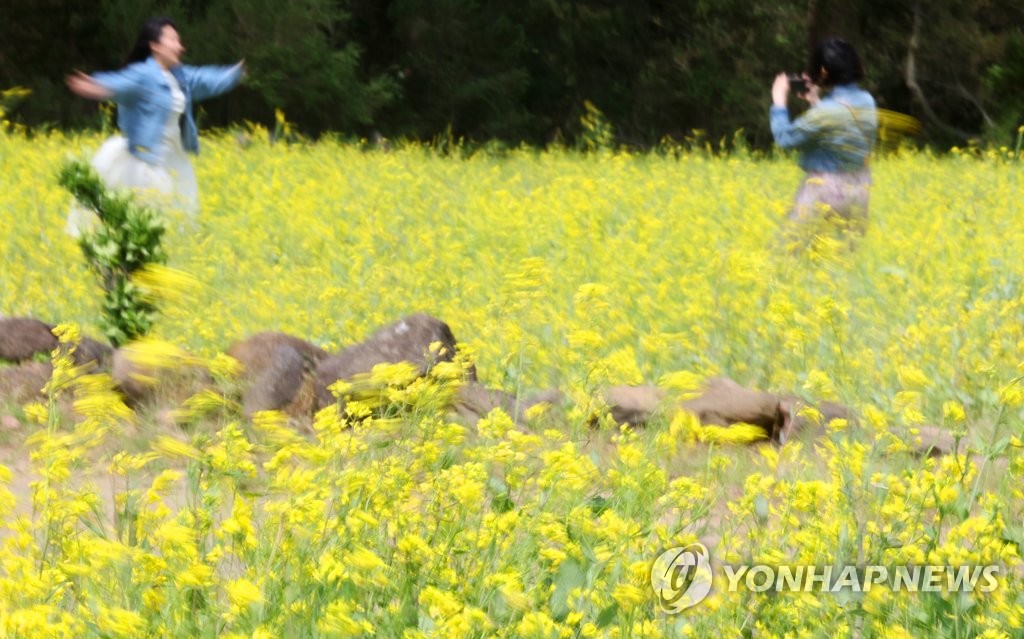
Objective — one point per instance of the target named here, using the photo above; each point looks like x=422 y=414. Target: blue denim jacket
x=144 y=101
x=833 y=136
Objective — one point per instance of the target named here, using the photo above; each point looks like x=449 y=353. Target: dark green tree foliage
x=301 y=58
x=40 y=42
x=127 y=238
x=711 y=64
x=522 y=71
x=1006 y=79
x=462 y=66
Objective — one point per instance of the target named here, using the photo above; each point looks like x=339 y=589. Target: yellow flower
x=628 y=596
x=197 y=576
x=585 y=339
x=686 y=382
x=155 y=354
x=495 y=425
x=1012 y=395
x=439 y=603
x=121 y=623
x=242 y=593
x=912 y=377
x=224 y=366
x=953 y=411
x=820 y=385
x=734 y=434
x=365 y=559
x=948 y=494
x=837 y=425
x=163 y=282
x=170 y=447
x=37 y=412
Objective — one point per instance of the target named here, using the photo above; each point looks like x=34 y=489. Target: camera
x=797 y=83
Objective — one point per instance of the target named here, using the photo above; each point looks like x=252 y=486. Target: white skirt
x=167 y=187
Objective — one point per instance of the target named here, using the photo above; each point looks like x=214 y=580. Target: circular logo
x=681 y=577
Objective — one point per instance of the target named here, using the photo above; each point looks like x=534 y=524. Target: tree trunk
x=910 y=77
x=812 y=28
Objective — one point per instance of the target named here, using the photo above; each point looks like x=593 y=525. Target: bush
x=127 y=239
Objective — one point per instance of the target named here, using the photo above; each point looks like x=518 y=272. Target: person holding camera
x=834 y=138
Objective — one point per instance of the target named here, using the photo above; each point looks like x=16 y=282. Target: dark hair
x=839 y=59
x=150 y=32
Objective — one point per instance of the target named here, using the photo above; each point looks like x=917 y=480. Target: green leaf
x=570 y=576
x=501 y=496
x=597 y=503
x=606 y=616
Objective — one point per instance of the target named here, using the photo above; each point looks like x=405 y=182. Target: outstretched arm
x=210 y=81
x=121 y=86
x=85 y=87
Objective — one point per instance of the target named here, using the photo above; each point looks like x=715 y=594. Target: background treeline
x=523 y=70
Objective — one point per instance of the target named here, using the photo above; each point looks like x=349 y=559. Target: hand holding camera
x=798 y=83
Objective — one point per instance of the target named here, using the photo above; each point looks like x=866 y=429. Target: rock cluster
x=286 y=373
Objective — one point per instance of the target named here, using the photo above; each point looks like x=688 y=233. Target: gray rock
x=634 y=405
x=407 y=340
x=277 y=385
x=91 y=351
x=475 y=401
x=551 y=396
x=22 y=337
x=724 y=403
x=256 y=353
x=277 y=367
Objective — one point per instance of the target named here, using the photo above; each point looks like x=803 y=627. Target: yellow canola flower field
x=553 y=269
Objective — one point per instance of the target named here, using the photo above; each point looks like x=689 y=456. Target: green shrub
x=128 y=237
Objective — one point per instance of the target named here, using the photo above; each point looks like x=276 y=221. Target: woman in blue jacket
x=834 y=138
x=154 y=95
